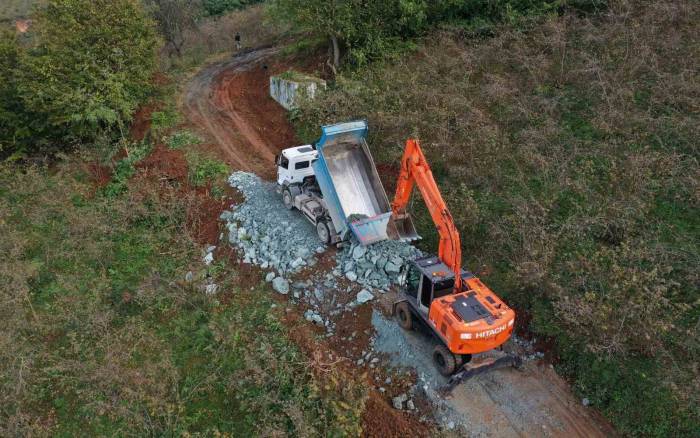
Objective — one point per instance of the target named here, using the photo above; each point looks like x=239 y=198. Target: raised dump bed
x=348 y=178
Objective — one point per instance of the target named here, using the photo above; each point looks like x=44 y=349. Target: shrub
x=182 y=139
x=87 y=69
x=204 y=170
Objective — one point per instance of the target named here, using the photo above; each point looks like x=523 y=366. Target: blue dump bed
x=350 y=184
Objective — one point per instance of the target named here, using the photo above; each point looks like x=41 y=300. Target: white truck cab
x=294 y=164
x=297 y=184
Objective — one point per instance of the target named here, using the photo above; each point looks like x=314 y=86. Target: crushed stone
x=265 y=231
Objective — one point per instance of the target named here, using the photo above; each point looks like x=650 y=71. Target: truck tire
x=404 y=316
x=324 y=233
x=287 y=199
x=444 y=360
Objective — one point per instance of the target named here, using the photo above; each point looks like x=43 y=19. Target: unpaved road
x=229 y=102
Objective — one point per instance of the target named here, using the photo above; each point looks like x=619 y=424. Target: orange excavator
x=467 y=319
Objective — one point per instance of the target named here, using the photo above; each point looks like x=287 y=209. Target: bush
x=87 y=69
x=11 y=111
x=220 y=7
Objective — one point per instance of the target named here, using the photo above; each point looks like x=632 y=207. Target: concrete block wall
x=289 y=87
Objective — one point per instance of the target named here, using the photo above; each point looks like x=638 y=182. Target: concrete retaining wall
x=289 y=87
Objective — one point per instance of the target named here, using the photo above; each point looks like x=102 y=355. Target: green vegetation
x=125 y=168
x=371 y=31
x=11 y=9
x=182 y=139
x=86 y=70
x=219 y=7
x=568 y=154
x=102 y=336
x=205 y=170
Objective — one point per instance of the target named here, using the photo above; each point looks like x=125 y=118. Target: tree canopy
x=367 y=30
x=87 y=68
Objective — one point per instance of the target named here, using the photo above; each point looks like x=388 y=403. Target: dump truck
x=336 y=186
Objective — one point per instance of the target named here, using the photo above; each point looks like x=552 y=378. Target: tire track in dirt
x=241 y=120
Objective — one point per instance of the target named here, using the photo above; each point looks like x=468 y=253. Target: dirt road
x=229 y=102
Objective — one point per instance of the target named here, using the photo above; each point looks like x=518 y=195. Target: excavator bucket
x=480 y=364
x=401 y=227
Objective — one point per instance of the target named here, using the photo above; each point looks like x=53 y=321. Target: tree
x=174 y=19
x=10 y=107
x=329 y=18
x=366 y=29
x=88 y=69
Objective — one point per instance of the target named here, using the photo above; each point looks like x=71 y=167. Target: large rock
x=363 y=296
x=280 y=285
x=290 y=86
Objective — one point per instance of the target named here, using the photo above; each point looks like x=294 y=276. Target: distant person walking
x=237 y=38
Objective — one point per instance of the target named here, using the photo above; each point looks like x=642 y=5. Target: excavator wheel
x=404 y=316
x=444 y=360
x=287 y=199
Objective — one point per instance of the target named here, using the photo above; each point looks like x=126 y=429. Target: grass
x=572 y=172
x=182 y=139
x=104 y=337
x=11 y=9
x=204 y=170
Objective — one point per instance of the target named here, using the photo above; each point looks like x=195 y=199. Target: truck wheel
x=444 y=360
x=287 y=199
x=404 y=316
x=323 y=232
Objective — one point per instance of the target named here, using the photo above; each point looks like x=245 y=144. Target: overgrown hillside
x=11 y=9
x=567 y=150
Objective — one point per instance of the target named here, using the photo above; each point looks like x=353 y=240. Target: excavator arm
x=415 y=171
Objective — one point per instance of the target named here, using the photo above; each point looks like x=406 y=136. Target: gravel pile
x=267 y=233
x=284 y=242
x=375 y=266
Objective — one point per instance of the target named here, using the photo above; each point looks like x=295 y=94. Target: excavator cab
x=467 y=323
x=428 y=279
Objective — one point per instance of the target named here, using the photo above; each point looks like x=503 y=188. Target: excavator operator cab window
x=283 y=162
x=426 y=292
x=412 y=281
x=443 y=288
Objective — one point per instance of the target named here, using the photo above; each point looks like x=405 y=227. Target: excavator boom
x=462 y=312
x=416 y=171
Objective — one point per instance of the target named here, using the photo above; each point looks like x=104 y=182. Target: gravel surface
x=414 y=350
x=268 y=234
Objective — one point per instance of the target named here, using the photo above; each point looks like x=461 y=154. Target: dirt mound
x=380 y=421
x=165 y=164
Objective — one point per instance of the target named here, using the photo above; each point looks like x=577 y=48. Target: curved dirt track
x=229 y=102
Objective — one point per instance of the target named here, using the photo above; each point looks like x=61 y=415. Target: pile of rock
x=375 y=266
x=266 y=232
